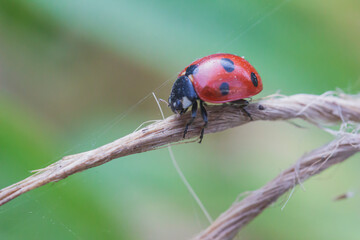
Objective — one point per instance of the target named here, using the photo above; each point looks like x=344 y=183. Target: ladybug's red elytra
x=217 y=78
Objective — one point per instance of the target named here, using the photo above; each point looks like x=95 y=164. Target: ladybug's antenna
x=183 y=178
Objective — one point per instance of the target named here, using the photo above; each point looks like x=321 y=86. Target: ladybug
x=217 y=78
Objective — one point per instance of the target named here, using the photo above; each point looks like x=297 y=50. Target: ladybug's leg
x=193 y=116
x=205 y=118
x=246 y=112
x=242 y=103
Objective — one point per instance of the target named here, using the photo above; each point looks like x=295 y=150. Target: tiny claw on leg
x=202 y=133
x=247 y=113
x=205 y=119
x=243 y=104
x=193 y=116
x=186 y=129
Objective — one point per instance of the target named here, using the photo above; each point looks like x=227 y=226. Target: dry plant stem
x=316 y=109
x=240 y=213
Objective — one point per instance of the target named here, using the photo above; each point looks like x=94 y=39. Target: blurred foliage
x=77 y=74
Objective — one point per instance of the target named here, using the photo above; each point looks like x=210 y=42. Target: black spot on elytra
x=224 y=88
x=254 y=79
x=227 y=64
x=191 y=70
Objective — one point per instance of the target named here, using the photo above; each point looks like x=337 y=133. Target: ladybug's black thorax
x=182 y=95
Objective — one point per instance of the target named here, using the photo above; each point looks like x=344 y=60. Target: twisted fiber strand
x=239 y=214
x=326 y=108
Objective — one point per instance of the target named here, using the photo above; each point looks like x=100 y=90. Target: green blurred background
x=72 y=74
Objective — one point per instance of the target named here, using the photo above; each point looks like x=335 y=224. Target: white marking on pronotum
x=186 y=102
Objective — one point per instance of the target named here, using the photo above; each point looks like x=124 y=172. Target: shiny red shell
x=213 y=72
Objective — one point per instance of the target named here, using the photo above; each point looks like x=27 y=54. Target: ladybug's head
x=182 y=95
